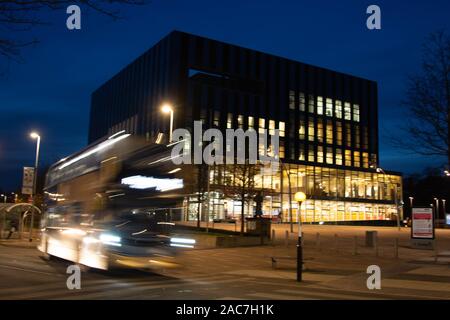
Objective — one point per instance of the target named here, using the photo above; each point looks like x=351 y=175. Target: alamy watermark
x=374 y=280
x=74 y=280
x=236 y=147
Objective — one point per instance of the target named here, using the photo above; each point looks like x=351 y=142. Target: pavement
x=331 y=272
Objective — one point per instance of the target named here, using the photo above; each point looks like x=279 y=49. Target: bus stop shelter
x=15 y=215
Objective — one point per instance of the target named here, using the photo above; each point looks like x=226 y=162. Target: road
x=233 y=273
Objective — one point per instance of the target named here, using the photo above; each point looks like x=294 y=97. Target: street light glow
x=167 y=108
x=300 y=196
x=34 y=135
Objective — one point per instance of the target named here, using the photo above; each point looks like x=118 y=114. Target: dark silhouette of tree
x=239 y=184
x=23 y=15
x=424 y=188
x=428 y=101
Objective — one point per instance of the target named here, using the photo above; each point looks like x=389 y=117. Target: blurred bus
x=110 y=205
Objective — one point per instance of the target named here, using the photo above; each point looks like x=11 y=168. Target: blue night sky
x=50 y=91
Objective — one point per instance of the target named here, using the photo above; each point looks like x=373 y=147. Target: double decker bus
x=109 y=205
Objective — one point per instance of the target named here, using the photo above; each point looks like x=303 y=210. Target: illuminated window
x=339 y=157
x=282 y=128
x=319 y=105
x=311 y=154
x=271 y=127
x=311 y=129
x=302 y=130
x=356 y=112
x=373 y=159
x=348 y=158
x=320 y=154
x=281 y=151
x=216 y=118
x=240 y=121
x=338 y=109
x=302 y=100
x=329 y=155
x=357 y=136
x=356 y=159
x=262 y=125
x=365 y=156
x=292 y=99
x=229 y=121
x=301 y=152
x=310 y=103
x=348 y=134
x=329 y=107
x=347 y=111
x=339 y=132
x=329 y=132
x=319 y=130
x=251 y=122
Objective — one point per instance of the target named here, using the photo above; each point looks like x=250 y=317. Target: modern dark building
x=328 y=122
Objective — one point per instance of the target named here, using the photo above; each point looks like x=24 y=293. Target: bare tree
x=239 y=184
x=428 y=101
x=23 y=15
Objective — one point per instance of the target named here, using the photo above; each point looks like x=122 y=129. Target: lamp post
x=436 y=200
x=4 y=197
x=299 y=197
x=411 y=204
x=443 y=207
x=36 y=136
x=167 y=108
x=288 y=171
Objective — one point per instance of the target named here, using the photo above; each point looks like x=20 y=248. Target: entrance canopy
x=12 y=207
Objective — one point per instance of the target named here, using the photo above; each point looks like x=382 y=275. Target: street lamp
x=299 y=197
x=4 y=197
x=443 y=207
x=437 y=209
x=411 y=203
x=167 y=108
x=37 y=137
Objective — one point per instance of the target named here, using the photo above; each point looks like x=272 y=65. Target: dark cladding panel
x=190 y=71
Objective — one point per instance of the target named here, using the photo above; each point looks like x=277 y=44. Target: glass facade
x=333 y=194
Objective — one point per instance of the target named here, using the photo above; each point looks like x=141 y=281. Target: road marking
x=434 y=270
x=333 y=296
x=133 y=291
x=417 y=285
x=278 y=296
x=29 y=270
x=92 y=289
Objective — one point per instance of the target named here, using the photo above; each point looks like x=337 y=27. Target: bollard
x=336 y=242
x=273 y=237
x=396 y=248
x=318 y=241
x=286 y=239
x=303 y=240
x=355 y=245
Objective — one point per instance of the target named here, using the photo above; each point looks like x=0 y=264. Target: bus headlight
x=110 y=239
x=182 y=242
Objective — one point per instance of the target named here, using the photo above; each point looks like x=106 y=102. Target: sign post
x=422 y=228
x=28 y=180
